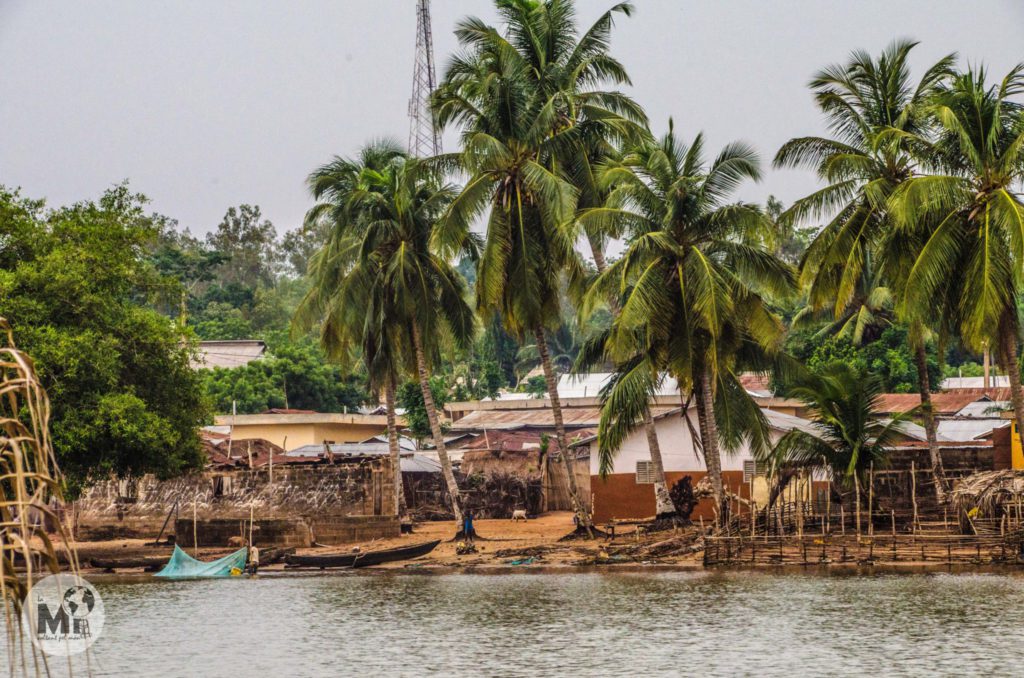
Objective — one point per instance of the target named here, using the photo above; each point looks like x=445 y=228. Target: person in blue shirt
x=467 y=526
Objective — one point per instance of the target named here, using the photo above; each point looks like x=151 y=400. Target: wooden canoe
x=363 y=558
x=147 y=562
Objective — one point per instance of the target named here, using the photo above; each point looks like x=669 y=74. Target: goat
x=517 y=514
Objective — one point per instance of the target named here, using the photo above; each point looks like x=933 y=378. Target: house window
x=749 y=470
x=644 y=472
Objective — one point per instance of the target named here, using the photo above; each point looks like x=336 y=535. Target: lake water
x=586 y=624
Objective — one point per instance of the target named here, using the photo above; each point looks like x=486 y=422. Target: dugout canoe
x=363 y=558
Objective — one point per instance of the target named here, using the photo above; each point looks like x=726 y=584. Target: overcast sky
x=211 y=103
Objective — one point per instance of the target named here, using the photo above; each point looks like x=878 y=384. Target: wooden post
x=753 y=520
x=856 y=486
x=195 y=524
x=842 y=520
x=871 y=499
x=828 y=497
x=251 y=511
x=913 y=496
x=799 y=504
x=892 y=514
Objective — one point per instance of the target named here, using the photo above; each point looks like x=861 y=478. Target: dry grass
x=30 y=486
x=988 y=491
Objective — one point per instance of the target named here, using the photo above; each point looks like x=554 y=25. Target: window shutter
x=645 y=473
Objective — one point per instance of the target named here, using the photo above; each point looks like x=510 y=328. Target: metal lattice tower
x=424 y=139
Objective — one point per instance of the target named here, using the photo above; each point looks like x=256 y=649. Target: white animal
x=517 y=514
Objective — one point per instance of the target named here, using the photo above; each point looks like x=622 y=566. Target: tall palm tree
x=875 y=114
x=969 y=215
x=379 y=285
x=526 y=100
x=691 y=286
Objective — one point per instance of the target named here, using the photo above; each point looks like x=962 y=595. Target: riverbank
x=536 y=545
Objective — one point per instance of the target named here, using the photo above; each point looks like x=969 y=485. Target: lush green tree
x=74 y=282
x=249 y=244
x=889 y=357
x=221 y=320
x=525 y=98
x=691 y=287
x=293 y=374
x=410 y=398
x=969 y=216
x=874 y=113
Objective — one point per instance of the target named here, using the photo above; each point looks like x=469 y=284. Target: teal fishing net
x=183 y=566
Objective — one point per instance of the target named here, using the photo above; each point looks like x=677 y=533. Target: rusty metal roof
x=949 y=402
x=573 y=417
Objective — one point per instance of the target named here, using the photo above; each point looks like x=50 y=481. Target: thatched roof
x=988 y=490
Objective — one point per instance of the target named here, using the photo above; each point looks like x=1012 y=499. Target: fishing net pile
x=183 y=566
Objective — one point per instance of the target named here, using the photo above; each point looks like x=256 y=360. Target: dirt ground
x=500 y=544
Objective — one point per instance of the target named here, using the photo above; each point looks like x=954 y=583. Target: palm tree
x=691 y=287
x=849 y=436
x=523 y=98
x=969 y=216
x=377 y=283
x=875 y=114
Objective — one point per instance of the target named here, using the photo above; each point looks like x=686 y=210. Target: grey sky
x=210 y=103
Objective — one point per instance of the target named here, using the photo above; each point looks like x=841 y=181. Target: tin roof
x=949 y=402
x=233 y=353
x=572 y=417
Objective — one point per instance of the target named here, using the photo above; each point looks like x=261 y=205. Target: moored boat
x=362 y=558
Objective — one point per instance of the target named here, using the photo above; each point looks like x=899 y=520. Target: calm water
x=590 y=624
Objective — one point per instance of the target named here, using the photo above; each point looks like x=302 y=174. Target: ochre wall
x=619 y=496
x=306 y=434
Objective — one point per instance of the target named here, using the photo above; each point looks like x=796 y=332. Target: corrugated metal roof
x=228 y=353
x=985 y=409
x=942 y=403
x=590 y=385
x=996 y=381
x=963 y=430
x=572 y=417
x=417 y=463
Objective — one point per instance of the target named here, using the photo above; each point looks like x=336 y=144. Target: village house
x=290 y=429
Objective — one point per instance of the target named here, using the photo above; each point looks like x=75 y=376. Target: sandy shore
x=533 y=545
x=501 y=544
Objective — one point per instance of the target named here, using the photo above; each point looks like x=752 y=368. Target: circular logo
x=63 y=614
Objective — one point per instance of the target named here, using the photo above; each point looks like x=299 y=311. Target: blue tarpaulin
x=183 y=566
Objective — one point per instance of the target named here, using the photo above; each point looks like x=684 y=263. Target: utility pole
x=424 y=139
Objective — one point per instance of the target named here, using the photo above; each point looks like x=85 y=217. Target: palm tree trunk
x=924 y=386
x=393 y=447
x=662 y=501
x=595 y=248
x=1008 y=355
x=709 y=438
x=435 y=426
x=563 y=442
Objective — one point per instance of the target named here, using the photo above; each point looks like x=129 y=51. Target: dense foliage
x=76 y=284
